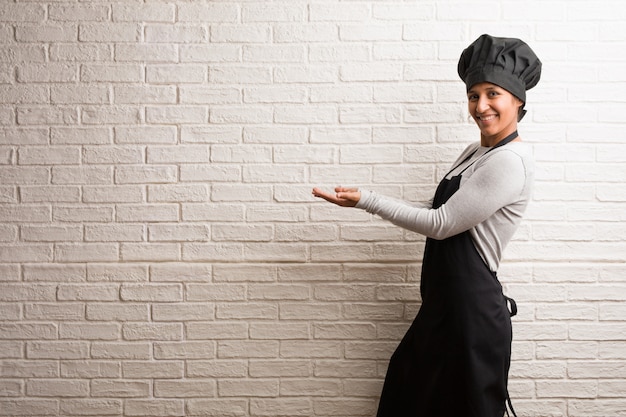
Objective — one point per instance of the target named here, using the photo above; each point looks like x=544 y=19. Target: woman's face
x=494 y=110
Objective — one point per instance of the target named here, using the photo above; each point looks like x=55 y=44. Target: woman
x=454 y=359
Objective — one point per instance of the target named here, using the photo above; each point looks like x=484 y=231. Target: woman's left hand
x=344 y=197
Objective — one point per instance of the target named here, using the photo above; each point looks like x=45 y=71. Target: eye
x=493 y=93
x=472 y=97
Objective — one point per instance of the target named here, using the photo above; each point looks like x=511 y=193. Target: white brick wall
x=161 y=255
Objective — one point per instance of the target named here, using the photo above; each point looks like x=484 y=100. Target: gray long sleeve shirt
x=490 y=202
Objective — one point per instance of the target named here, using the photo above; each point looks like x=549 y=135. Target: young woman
x=454 y=359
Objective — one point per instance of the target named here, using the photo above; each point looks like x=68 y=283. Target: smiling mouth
x=487 y=118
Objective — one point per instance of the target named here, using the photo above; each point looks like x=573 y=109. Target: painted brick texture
x=160 y=251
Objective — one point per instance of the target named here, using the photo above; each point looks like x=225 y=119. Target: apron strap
x=511 y=305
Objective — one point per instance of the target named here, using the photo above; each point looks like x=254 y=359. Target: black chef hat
x=507 y=62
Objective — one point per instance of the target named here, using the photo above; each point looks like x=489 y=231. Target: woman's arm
x=497 y=181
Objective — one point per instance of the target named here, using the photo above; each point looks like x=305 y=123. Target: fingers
x=345 y=197
x=340 y=189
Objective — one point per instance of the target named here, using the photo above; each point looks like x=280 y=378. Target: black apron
x=454 y=359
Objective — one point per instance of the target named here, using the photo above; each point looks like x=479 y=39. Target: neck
x=491 y=141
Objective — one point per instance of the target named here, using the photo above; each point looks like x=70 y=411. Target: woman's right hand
x=344 y=197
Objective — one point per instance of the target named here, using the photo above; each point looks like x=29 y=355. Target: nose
x=482 y=104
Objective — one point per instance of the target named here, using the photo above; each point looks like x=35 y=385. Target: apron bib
x=454 y=359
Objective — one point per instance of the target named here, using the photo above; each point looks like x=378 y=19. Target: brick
x=279 y=331
x=243 y=115
x=110 y=32
x=11 y=311
x=46 y=33
x=217 y=331
x=217 y=407
x=24 y=136
x=121 y=350
x=54 y=273
x=82 y=175
x=9 y=273
x=89 y=331
x=117 y=272
x=24 y=94
x=134 y=332
x=169 y=408
x=57 y=388
x=162 y=369
x=82 y=213
x=178 y=154
x=242 y=233
x=145 y=174
x=30 y=369
x=79 y=13
x=309 y=33
x=240 y=75
x=150 y=251
x=140 y=12
x=147 y=213
x=178 y=233
x=98 y=292
x=338 y=53
x=57 y=350
x=28 y=407
x=339 y=12
x=144 y=95
x=301 y=349
x=80 y=53
x=288 y=406
x=26 y=253
x=196 y=388
x=275 y=53
x=212 y=252
x=247 y=349
x=335 y=406
x=273 y=13
x=22 y=13
x=310 y=74
x=86 y=252
x=244 y=272
x=146 y=53
x=80 y=95
x=313 y=387
x=120 y=389
x=176 y=34
x=176 y=73
x=177 y=193
x=210 y=53
x=114 y=233
x=91 y=369
x=11 y=388
x=151 y=292
x=206 y=95
x=47 y=115
x=88 y=407
x=147 y=134
x=217 y=368
x=180 y=272
x=345 y=368
x=113 y=194
x=256 y=387
x=187 y=350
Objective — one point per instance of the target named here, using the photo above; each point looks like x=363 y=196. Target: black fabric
x=506 y=62
x=454 y=359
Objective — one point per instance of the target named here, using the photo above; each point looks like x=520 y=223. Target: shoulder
x=513 y=154
x=512 y=164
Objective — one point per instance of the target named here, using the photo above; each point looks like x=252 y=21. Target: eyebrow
x=486 y=88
